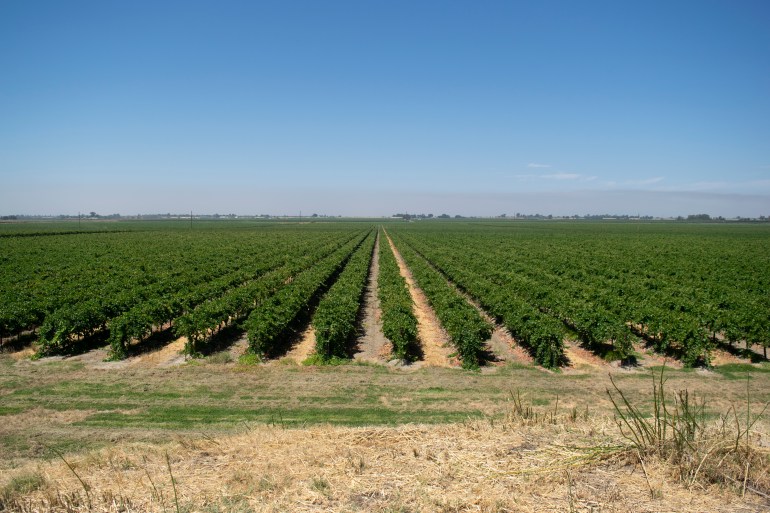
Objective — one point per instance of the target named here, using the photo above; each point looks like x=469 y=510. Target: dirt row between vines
x=433 y=338
x=371 y=344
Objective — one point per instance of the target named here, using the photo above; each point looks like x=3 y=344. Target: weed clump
x=678 y=431
x=249 y=359
x=220 y=358
x=19 y=486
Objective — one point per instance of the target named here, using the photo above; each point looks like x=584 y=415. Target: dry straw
x=527 y=458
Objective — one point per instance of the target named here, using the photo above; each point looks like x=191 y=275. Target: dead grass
x=551 y=457
x=52 y=417
x=557 y=463
x=728 y=450
x=556 y=448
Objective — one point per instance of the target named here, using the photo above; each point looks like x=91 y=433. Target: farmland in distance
x=128 y=332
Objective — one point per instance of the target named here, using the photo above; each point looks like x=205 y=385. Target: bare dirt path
x=579 y=357
x=371 y=344
x=302 y=350
x=93 y=359
x=167 y=356
x=649 y=358
x=503 y=346
x=434 y=340
x=239 y=347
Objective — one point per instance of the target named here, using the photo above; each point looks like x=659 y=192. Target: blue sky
x=373 y=107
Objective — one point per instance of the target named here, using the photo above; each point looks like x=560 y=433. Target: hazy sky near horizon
x=374 y=107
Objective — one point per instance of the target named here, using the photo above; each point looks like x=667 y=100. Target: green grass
x=317 y=359
x=154 y=404
x=741 y=370
x=192 y=397
x=23 y=484
x=76 y=392
x=220 y=358
x=249 y=359
x=14 y=444
x=173 y=417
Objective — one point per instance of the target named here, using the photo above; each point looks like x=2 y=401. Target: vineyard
x=682 y=291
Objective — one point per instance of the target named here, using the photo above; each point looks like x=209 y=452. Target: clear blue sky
x=373 y=107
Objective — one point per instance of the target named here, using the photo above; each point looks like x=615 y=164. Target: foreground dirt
x=237 y=438
x=472 y=466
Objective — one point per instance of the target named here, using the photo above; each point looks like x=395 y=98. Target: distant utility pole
x=78 y=220
x=191 y=219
